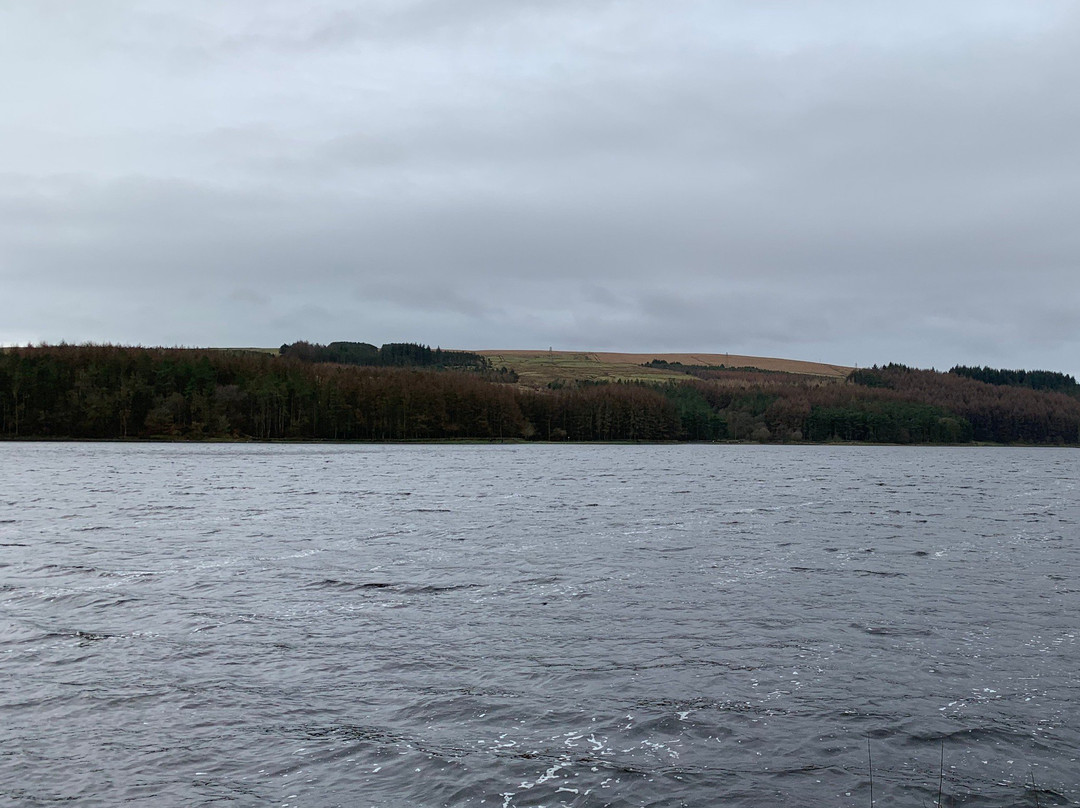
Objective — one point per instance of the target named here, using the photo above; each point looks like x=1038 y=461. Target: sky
x=847 y=182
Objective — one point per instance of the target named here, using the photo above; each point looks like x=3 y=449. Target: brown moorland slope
x=538 y=368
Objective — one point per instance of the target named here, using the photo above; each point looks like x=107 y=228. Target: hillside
x=541 y=368
x=404 y=391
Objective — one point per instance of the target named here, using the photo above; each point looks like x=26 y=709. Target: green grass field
x=540 y=368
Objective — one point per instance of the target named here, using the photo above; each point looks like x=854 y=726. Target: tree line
x=104 y=391
x=393 y=354
x=396 y=354
x=997 y=413
x=88 y=391
x=1035 y=379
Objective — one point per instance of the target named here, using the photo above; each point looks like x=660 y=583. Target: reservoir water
x=538 y=625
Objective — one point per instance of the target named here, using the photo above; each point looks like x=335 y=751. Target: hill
x=404 y=391
x=541 y=368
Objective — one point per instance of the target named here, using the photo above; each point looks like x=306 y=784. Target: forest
x=1035 y=379
x=115 y=392
x=394 y=354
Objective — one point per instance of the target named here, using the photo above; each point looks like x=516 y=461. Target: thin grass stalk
x=870 y=760
x=941 y=773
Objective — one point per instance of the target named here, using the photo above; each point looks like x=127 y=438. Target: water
x=538 y=625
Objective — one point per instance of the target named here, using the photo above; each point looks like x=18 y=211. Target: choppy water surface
x=538 y=625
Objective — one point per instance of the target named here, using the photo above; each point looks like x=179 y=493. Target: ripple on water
x=537 y=625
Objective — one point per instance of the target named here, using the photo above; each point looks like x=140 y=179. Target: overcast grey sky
x=849 y=182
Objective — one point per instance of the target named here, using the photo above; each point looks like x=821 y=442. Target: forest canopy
x=394 y=354
x=409 y=392
x=1035 y=379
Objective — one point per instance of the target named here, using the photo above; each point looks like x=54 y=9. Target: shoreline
x=524 y=442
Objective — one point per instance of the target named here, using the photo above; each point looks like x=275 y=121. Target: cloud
x=842 y=182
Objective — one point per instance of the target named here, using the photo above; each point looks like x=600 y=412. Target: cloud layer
x=834 y=181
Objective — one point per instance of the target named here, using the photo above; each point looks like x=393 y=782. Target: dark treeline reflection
x=92 y=391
